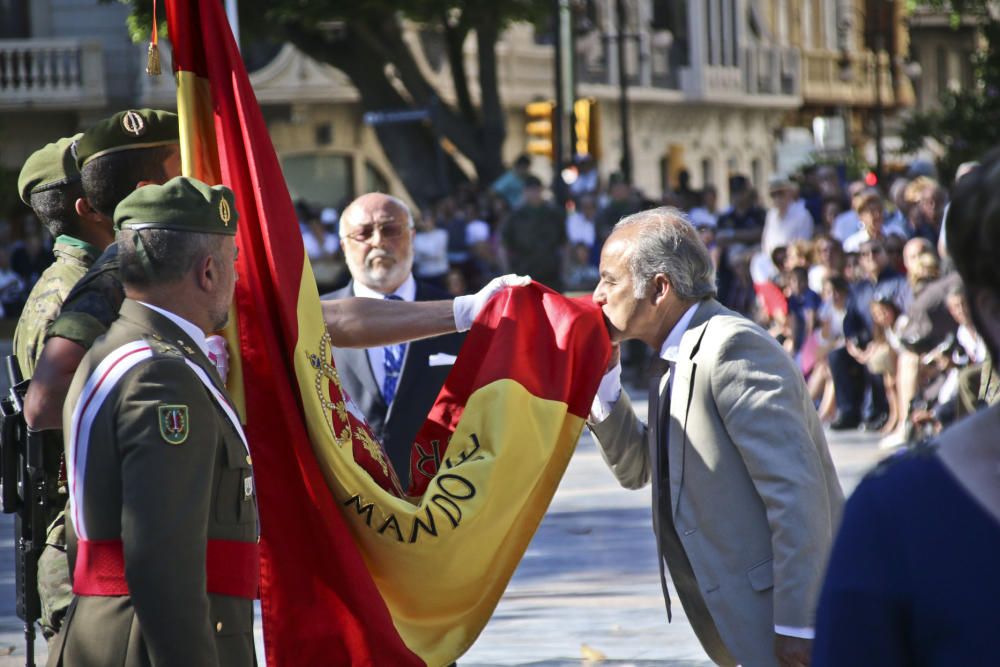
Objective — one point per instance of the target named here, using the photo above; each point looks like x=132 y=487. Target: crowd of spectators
x=22 y=261
x=855 y=285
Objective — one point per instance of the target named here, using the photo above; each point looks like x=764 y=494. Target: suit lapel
x=681 y=391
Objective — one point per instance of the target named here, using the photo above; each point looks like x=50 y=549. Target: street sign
x=399 y=116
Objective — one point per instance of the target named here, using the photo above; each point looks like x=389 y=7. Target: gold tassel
x=153 y=60
x=153 y=56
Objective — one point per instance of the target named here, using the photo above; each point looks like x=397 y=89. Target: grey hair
x=668 y=243
x=169 y=254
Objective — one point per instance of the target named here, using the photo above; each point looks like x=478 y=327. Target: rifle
x=24 y=493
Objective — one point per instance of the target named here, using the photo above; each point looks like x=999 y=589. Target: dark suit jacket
x=419 y=384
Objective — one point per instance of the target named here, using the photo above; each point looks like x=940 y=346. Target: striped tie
x=393 y=364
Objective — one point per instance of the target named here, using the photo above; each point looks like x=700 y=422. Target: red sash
x=232 y=568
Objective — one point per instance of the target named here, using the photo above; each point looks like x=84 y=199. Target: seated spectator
x=926 y=202
x=833 y=207
x=827 y=260
x=848 y=222
x=851 y=381
x=870 y=208
x=829 y=337
x=788 y=220
x=803 y=304
x=879 y=356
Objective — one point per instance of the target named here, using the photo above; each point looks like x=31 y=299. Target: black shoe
x=844 y=423
x=875 y=423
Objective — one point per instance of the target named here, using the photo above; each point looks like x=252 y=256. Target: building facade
x=711 y=84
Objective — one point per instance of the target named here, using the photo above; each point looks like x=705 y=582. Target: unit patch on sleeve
x=174 y=424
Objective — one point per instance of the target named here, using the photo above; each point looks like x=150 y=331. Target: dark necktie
x=392 y=364
x=659 y=404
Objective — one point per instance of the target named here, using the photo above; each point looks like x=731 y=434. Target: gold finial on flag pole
x=153 y=56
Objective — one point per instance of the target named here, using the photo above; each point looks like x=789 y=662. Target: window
x=706 y=172
x=319 y=179
x=375 y=181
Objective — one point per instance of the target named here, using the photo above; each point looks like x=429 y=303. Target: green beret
x=128 y=130
x=182 y=204
x=49 y=167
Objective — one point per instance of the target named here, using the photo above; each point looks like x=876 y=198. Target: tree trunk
x=427 y=172
x=494 y=129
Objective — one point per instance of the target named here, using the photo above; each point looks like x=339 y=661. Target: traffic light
x=587 y=126
x=538 y=127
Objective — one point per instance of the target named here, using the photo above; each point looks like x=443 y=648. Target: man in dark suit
x=396 y=385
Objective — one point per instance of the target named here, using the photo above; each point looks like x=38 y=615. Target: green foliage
x=968 y=123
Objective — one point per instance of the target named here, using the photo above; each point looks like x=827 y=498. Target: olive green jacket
x=47 y=297
x=164 y=489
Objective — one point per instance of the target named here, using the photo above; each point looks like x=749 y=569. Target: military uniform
x=93 y=304
x=73 y=259
x=162 y=495
x=52 y=167
x=88 y=309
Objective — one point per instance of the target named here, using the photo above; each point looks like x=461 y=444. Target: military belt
x=231 y=567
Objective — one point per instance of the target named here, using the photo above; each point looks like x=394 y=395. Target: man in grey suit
x=745 y=496
x=395 y=385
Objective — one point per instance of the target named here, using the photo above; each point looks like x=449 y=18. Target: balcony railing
x=51 y=72
x=832 y=78
x=769 y=70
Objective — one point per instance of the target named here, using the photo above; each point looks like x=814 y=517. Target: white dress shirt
x=376 y=355
x=193 y=331
x=610 y=390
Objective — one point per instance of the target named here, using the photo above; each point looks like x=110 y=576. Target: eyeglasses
x=871 y=252
x=386 y=230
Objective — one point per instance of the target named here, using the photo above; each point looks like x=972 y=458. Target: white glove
x=218 y=354
x=468 y=307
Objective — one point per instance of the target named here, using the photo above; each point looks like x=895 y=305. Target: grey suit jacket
x=748 y=484
x=420 y=383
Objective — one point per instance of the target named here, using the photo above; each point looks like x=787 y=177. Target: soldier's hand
x=218 y=354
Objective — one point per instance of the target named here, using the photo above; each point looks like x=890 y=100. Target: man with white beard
x=396 y=385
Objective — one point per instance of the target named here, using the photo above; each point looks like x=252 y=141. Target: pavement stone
x=588 y=584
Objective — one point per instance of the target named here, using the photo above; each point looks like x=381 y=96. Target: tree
x=365 y=40
x=968 y=122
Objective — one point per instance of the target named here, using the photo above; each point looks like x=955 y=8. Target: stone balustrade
x=65 y=73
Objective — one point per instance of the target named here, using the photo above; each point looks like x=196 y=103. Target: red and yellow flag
x=353 y=571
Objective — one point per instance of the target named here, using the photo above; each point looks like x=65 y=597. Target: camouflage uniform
x=73 y=258
x=93 y=304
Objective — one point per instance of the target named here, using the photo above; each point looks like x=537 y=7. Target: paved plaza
x=588 y=586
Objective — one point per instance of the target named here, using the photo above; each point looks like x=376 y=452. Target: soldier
x=161 y=485
x=117 y=155
x=50 y=183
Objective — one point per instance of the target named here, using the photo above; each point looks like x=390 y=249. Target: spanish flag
x=354 y=570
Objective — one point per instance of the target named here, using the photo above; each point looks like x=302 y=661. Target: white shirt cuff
x=608 y=393
x=789 y=631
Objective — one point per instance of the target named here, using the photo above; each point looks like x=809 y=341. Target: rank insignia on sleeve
x=174 y=424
